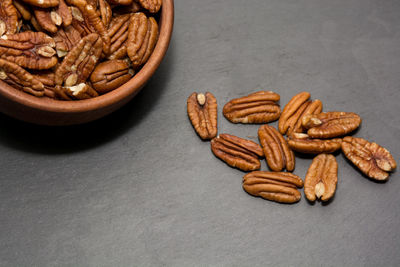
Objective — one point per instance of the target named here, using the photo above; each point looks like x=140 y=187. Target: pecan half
x=80 y=61
x=142 y=38
x=259 y=107
x=47 y=79
x=237 y=152
x=202 y=111
x=33 y=50
x=372 y=159
x=153 y=6
x=66 y=38
x=302 y=143
x=110 y=75
x=23 y=10
x=118 y=32
x=321 y=178
x=276 y=149
x=76 y=92
x=274 y=186
x=19 y=78
x=42 y=3
x=105 y=12
x=330 y=124
x=120 y=2
x=8 y=17
x=125 y=9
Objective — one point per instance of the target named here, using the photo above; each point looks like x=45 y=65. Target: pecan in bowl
x=86 y=60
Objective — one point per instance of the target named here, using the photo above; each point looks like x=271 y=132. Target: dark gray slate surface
x=140 y=188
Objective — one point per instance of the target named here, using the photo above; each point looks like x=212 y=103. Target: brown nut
x=80 y=61
x=33 y=50
x=276 y=149
x=105 y=12
x=330 y=124
x=48 y=19
x=259 y=107
x=142 y=38
x=202 y=111
x=321 y=178
x=76 y=92
x=47 y=79
x=118 y=32
x=153 y=6
x=8 y=17
x=127 y=9
x=275 y=186
x=302 y=143
x=110 y=75
x=120 y=2
x=66 y=38
x=19 y=78
x=42 y=3
x=372 y=159
x=295 y=110
x=22 y=9
x=237 y=152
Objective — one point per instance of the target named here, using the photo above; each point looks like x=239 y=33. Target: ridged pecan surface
x=237 y=152
x=372 y=159
x=118 y=32
x=79 y=92
x=8 y=17
x=274 y=186
x=202 y=112
x=259 y=107
x=302 y=143
x=153 y=6
x=321 y=178
x=277 y=152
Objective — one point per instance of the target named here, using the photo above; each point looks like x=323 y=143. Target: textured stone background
x=140 y=188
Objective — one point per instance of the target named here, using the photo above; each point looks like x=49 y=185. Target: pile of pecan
x=308 y=130
x=75 y=49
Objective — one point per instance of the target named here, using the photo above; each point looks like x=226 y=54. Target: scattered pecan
x=372 y=159
x=237 y=152
x=118 y=32
x=302 y=143
x=66 y=38
x=274 y=186
x=276 y=149
x=259 y=107
x=77 y=92
x=321 y=178
x=19 y=78
x=33 y=50
x=110 y=75
x=142 y=38
x=80 y=61
x=153 y=6
x=42 y=3
x=330 y=124
x=8 y=17
x=202 y=111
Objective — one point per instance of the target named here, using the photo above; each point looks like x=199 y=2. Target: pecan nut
x=33 y=50
x=125 y=9
x=295 y=110
x=372 y=159
x=330 y=124
x=142 y=38
x=42 y=3
x=118 y=32
x=19 y=78
x=110 y=75
x=321 y=178
x=259 y=107
x=202 y=111
x=66 y=38
x=47 y=79
x=275 y=186
x=22 y=9
x=8 y=17
x=302 y=143
x=78 y=92
x=153 y=6
x=80 y=61
x=237 y=152
x=276 y=150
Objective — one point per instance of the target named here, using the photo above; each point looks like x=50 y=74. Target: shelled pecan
x=42 y=3
x=302 y=143
x=372 y=159
x=80 y=61
x=33 y=50
x=110 y=75
x=321 y=178
x=277 y=152
x=275 y=186
x=66 y=38
x=47 y=79
x=127 y=9
x=50 y=19
x=118 y=32
x=330 y=124
x=153 y=6
x=19 y=78
x=79 y=92
x=202 y=111
x=142 y=38
x=295 y=110
x=259 y=107
x=237 y=152
x=8 y=17
x=22 y=9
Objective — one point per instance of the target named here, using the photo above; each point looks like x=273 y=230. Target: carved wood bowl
x=46 y=111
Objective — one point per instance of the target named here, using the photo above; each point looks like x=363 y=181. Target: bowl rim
x=134 y=85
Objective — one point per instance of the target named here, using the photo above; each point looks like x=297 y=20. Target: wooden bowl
x=23 y=106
